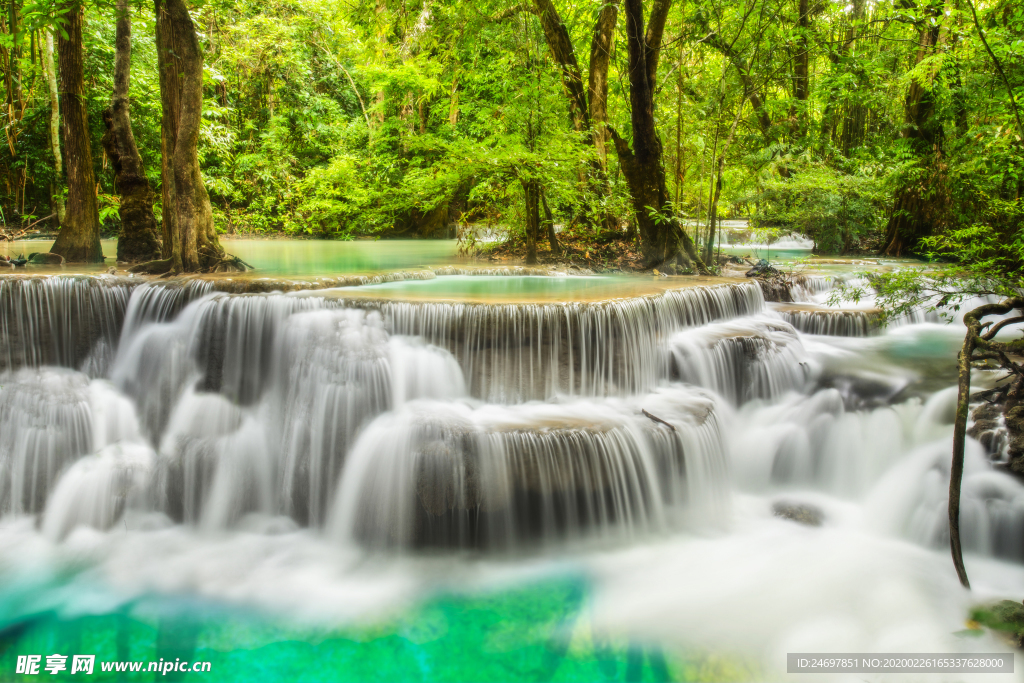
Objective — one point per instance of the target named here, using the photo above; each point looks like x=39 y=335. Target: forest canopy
x=891 y=127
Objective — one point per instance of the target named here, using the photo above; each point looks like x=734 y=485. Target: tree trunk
x=597 y=81
x=661 y=236
x=549 y=220
x=956 y=471
x=532 y=190
x=801 y=69
x=190 y=241
x=79 y=237
x=914 y=215
x=58 y=163
x=557 y=37
x=139 y=239
x=709 y=248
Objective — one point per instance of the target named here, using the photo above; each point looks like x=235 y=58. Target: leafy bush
x=834 y=209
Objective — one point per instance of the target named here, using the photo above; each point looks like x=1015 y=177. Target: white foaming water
x=455 y=475
x=742 y=359
x=302 y=453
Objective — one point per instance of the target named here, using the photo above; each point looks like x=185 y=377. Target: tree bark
x=531 y=188
x=557 y=37
x=956 y=470
x=139 y=238
x=58 y=162
x=801 y=69
x=190 y=241
x=549 y=220
x=79 y=237
x=597 y=79
x=652 y=38
x=914 y=215
x=661 y=236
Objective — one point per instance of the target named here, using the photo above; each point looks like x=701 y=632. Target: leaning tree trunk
x=661 y=236
x=58 y=163
x=139 y=239
x=79 y=237
x=979 y=346
x=914 y=214
x=190 y=241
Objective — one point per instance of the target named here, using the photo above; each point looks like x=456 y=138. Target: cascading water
x=651 y=438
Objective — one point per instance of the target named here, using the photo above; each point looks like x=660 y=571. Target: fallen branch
x=657 y=419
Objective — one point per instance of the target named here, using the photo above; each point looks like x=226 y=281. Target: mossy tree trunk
x=139 y=239
x=79 y=237
x=190 y=241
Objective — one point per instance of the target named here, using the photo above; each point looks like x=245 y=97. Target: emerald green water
x=295 y=258
x=496 y=288
x=540 y=632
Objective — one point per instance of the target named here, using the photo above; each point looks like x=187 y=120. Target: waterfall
x=517 y=352
x=835 y=323
x=67 y=321
x=452 y=475
x=396 y=425
x=743 y=359
x=48 y=419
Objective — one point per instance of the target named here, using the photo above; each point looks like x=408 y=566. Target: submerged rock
x=45 y=258
x=800 y=513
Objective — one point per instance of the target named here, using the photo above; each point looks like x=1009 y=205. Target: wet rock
x=988 y=428
x=45 y=258
x=1005 y=617
x=801 y=513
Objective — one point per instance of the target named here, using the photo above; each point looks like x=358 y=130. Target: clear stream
x=481 y=477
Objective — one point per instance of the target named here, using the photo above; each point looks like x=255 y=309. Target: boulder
x=801 y=513
x=45 y=258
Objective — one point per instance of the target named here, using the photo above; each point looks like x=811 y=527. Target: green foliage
x=835 y=209
x=387 y=119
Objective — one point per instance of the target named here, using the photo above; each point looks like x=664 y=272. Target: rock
x=801 y=513
x=1005 y=617
x=45 y=258
x=762 y=268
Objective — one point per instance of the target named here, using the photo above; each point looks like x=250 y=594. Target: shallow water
x=295 y=258
x=320 y=486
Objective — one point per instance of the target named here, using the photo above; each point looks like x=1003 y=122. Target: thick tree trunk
x=58 y=162
x=661 y=236
x=914 y=215
x=188 y=218
x=139 y=239
x=79 y=237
